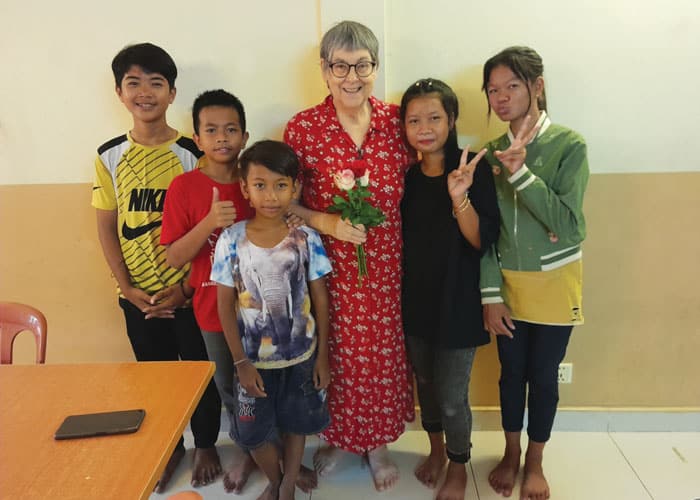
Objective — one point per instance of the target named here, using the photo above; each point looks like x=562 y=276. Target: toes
x=306 y=481
x=197 y=480
x=324 y=463
x=232 y=486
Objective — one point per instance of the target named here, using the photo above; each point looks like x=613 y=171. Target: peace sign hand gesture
x=514 y=157
x=460 y=179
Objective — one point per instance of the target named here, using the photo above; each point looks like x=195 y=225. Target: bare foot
x=430 y=470
x=236 y=478
x=455 y=484
x=307 y=479
x=502 y=477
x=270 y=493
x=326 y=459
x=169 y=469
x=535 y=485
x=206 y=466
x=384 y=470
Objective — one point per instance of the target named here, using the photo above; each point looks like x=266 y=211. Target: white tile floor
x=579 y=465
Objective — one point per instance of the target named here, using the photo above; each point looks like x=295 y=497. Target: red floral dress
x=371 y=392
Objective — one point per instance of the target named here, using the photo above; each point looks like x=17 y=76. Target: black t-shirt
x=440 y=288
x=426 y=214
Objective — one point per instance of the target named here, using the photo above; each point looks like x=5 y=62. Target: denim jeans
x=442 y=377
x=293 y=405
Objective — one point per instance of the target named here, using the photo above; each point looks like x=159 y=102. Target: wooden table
x=34 y=400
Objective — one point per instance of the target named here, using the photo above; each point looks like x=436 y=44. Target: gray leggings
x=219 y=353
x=442 y=377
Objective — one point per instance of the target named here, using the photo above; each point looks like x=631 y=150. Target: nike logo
x=131 y=233
x=95 y=188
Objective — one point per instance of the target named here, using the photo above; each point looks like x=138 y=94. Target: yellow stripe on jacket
x=546 y=297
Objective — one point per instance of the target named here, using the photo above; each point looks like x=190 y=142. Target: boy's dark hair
x=150 y=58
x=448 y=98
x=274 y=155
x=524 y=62
x=217 y=98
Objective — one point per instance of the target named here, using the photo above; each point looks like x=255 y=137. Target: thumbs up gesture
x=222 y=213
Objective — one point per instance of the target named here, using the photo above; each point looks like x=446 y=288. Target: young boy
x=267 y=277
x=132 y=174
x=199 y=205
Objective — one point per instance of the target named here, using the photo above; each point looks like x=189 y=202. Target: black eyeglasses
x=342 y=69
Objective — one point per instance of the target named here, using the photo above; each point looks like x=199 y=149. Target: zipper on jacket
x=515 y=228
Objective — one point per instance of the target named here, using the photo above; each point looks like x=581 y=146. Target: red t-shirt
x=187 y=202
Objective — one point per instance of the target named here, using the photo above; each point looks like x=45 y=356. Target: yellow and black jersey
x=133 y=179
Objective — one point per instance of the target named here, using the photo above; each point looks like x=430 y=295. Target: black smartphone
x=100 y=424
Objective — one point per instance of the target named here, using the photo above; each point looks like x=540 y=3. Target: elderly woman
x=370 y=397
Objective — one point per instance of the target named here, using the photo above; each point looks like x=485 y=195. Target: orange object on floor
x=185 y=495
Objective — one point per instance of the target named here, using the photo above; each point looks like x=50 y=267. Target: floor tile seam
x=634 y=470
x=476 y=483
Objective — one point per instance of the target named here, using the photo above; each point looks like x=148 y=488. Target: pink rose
x=345 y=180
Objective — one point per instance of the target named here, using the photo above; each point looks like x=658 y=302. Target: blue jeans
x=293 y=406
x=530 y=360
x=442 y=379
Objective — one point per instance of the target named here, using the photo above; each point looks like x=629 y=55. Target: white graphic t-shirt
x=274 y=308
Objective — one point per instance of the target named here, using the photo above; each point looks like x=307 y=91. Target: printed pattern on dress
x=371 y=395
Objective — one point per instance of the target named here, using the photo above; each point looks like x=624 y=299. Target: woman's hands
x=293 y=220
x=460 y=180
x=330 y=224
x=342 y=229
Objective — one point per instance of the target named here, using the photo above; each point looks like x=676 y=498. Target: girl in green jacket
x=531 y=279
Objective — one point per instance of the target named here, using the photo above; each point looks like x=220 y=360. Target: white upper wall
x=622 y=73
x=57 y=99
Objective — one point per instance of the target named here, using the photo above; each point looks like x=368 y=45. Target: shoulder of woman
x=308 y=112
x=384 y=107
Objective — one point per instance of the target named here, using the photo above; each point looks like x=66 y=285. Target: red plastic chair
x=16 y=318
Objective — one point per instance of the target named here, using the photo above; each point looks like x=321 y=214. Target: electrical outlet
x=566 y=372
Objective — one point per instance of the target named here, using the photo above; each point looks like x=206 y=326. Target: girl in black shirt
x=449 y=213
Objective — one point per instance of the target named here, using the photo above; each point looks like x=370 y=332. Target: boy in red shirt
x=199 y=205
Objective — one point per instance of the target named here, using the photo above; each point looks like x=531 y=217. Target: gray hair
x=349 y=35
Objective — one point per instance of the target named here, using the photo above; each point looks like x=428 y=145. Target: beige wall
x=638 y=347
